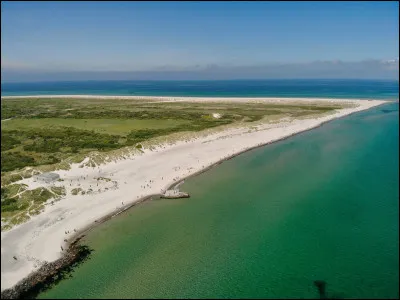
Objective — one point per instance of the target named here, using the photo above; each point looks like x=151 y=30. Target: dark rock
x=48 y=274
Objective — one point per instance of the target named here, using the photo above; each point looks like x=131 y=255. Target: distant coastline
x=195 y=98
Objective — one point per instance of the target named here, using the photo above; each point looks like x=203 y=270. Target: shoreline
x=82 y=231
x=48 y=274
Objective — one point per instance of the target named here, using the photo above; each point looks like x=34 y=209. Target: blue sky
x=59 y=37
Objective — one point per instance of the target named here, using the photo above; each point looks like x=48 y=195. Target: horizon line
x=204 y=80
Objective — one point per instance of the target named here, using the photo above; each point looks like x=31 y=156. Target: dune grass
x=108 y=126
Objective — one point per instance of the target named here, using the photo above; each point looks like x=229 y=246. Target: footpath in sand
x=41 y=238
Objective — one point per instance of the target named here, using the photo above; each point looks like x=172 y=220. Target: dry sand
x=40 y=239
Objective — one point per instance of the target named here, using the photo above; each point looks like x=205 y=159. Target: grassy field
x=110 y=126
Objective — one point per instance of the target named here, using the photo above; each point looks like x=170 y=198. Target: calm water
x=224 y=88
x=322 y=205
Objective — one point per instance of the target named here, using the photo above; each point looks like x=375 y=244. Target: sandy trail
x=40 y=239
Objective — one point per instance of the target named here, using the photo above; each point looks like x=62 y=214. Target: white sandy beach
x=40 y=239
x=281 y=100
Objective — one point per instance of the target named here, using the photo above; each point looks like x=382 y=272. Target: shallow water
x=322 y=205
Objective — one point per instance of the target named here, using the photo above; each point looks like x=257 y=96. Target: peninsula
x=68 y=161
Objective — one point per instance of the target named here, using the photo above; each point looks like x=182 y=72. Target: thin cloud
x=368 y=69
x=17 y=66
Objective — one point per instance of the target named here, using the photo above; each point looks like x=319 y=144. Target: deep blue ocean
x=363 y=89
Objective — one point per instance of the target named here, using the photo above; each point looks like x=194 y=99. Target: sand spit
x=45 y=237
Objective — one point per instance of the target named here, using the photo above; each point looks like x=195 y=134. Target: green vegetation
x=104 y=178
x=59 y=129
x=9 y=205
x=15 y=160
x=58 y=191
x=8 y=141
x=17 y=203
x=110 y=126
x=12 y=190
x=45 y=133
x=38 y=195
x=48 y=131
x=76 y=191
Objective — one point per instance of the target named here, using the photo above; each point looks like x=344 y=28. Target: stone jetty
x=174 y=194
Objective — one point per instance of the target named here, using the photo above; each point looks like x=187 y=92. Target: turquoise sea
x=322 y=205
x=332 y=88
